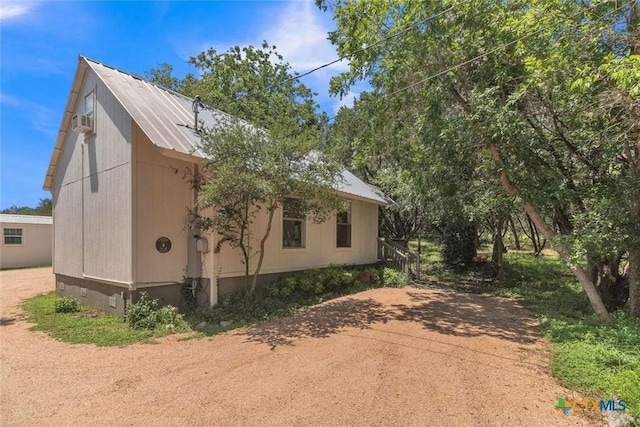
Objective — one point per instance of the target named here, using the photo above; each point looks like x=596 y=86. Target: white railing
x=398 y=257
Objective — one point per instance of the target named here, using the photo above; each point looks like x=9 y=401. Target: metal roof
x=166 y=118
x=354 y=186
x=25 y=219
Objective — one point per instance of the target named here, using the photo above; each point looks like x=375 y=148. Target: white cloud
x=42 y=119
x=301 y=38
x=297 y=28
x=11 y=9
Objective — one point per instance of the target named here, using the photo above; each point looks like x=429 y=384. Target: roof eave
x=65 y=123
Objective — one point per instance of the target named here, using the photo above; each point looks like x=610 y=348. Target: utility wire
x=502 y=46
x=362 y=49
x=482 y=55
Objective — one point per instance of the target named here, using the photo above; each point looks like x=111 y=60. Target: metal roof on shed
x=25 y=219
x=166 y=118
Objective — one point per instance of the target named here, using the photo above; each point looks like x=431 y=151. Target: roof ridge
x=137 y=77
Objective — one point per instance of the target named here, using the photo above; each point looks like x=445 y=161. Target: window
x=13 y=236
x=292 y=224
x=88 y=104
x=343 y=228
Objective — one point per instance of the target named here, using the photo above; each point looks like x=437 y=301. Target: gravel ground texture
x=385 y=357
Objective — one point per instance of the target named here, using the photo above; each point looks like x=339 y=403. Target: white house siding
x=320 y=245
x=35 y=250
x=163 y=195
x=67 y=205
x=92 y=194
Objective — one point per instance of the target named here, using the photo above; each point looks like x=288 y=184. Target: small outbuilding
x=26 y=241
x=120 y=209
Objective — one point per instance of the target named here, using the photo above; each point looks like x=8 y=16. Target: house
x=26 y=241
x=120 y=207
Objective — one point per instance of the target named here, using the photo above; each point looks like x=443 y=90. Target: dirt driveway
x=383 y=357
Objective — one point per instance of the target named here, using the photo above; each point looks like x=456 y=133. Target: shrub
x=147 y=314
x=169 y=317
x=67 y=305
x=143 y=314
x=394 y=279
x=458 y=245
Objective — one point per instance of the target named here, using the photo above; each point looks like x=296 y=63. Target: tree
x=254 y=84
x=517 y=88
x=44 y=208
x=163 y=76
x=263 y=157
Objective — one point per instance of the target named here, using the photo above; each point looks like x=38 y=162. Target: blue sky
x=40 y=42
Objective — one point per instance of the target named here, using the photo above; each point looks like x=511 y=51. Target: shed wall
x=163 y=194
x=35 y=250
x=92 y=193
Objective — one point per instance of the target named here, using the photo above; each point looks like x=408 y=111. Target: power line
x=482 y=55
x=362 y=49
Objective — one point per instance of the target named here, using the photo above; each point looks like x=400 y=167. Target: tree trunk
x=534 y=236
x=261 y=257
x=633 y=303
x=497 y=254
x=498 y=245
x=549 y=234
x=516 y=239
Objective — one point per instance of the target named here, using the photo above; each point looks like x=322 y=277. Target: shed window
x=88 y=104
x=293 y=221
x=343 y=228
x=13 y=236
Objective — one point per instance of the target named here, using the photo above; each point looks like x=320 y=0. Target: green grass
x=88 y=326
x=600 y=359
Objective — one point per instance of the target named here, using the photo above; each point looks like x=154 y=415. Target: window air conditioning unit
x=81 y=123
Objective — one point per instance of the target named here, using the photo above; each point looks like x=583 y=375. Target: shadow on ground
x=447 y=313
x=467 y=315
x=319 y=322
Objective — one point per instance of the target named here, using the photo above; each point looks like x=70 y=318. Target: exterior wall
x=93 y=293
x=114 y=299
x=92 y=194
x=162 y=196
x=35 y=250
x=320 y=248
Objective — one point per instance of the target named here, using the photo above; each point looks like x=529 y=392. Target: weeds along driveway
x=382 y=357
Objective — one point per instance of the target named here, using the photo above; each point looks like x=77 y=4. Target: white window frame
x=12 y=233
x=303 y=227
x=90 y=96
x=347 y=225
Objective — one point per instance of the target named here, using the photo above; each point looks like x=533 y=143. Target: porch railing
x=398 y=257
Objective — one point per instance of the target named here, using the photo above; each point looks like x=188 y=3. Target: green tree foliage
x=254 y=84
x=266 y=152
x=537 y=97
x=163 y=76
x=44 y=208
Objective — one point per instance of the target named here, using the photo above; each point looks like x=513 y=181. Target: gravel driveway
x=401 y=357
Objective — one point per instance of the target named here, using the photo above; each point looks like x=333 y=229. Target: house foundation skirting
x=114 y=298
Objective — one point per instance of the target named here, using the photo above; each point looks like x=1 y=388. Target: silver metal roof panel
x=25 y=219
x=166 y=118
